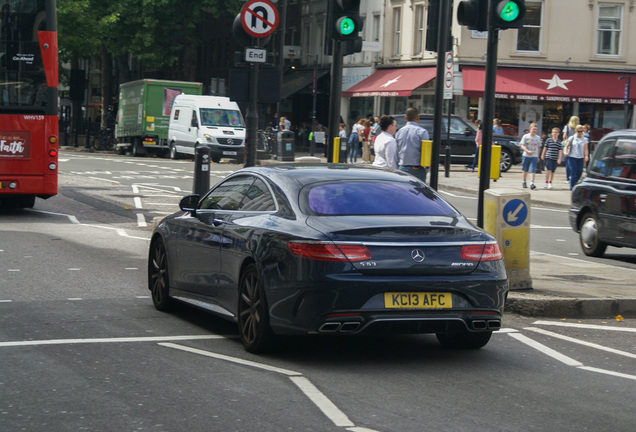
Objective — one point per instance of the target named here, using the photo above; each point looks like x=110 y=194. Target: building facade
x=571 y=57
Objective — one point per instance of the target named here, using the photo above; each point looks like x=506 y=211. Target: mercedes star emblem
x=229 y=141
x=417 y=255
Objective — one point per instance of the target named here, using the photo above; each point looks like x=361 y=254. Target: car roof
x=630 y=133
x=308 y=173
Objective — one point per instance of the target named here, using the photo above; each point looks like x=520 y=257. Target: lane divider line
x=581 y=342
x=318 y=398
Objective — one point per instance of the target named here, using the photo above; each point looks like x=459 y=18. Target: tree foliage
x=156 y=32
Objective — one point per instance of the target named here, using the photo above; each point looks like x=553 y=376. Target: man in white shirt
x=409 y=140
x=385 y=145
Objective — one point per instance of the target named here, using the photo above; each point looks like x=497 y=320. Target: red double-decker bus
x=28 y=101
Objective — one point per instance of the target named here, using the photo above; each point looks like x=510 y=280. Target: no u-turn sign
x=259 y=18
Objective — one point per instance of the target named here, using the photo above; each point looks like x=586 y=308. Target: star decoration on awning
x=391 y=81
x=556 y=81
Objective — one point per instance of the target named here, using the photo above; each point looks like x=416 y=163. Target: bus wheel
x=27 y=201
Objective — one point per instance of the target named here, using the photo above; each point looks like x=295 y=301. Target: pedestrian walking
x=477 y=144
x=409 y=140
x=354 y=144
x=551 y=155
x=366 y=140
x=497 y=128
x=385 y=145
x=530 y=144
x=577 y=149
x=568 y=131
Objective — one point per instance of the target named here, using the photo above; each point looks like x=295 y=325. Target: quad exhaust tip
x=486 y=324
x=339 y=327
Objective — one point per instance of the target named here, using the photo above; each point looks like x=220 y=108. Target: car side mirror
x=189 y=203
x=468 y=132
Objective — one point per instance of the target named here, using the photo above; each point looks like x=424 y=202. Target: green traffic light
x=346 y=26
x=510 y=11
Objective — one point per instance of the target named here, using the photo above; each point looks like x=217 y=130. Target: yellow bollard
x=336 y=150
x=427 y=150
x=495 y=161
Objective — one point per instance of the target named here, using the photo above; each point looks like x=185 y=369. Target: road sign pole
x=334 y=100
x=487 y=132
x=252 y=115
x=442 y=45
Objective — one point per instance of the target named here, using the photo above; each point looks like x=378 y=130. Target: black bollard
x=201 y=183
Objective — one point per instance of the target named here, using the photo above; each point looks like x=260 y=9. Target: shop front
x=392 y=91
x=549 y=97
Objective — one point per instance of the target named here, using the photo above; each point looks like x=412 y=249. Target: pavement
x=562 y=286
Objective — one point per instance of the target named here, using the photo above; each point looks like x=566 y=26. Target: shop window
x=529 y=36
x=609 y=29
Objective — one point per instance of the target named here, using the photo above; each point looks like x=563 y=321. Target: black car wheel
x=253 y=315
x=158 y=281
x=506 y=160
x=464 y=340
x=589 y=236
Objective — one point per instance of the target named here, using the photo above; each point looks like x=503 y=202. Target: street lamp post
x=312 y=143
x=629 y=81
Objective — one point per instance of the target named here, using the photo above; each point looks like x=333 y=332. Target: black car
x=462 y=137
x=604 y=203
x=295 y=249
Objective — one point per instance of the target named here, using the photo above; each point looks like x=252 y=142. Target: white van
x=212 y=121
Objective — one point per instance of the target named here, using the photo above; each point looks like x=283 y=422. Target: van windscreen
x=221 y=117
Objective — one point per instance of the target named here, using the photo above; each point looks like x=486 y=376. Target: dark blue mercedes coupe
x=294 y=249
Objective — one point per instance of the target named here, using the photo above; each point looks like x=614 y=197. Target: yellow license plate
x=397 y=300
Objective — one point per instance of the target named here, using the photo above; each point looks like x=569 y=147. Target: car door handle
x=603 y=198
x=218 y=222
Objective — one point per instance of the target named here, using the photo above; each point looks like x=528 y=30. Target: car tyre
x=464 y=340
x=505 y=162
x=253 y=313
x=589 y=236
x=158 y=280
x=174 y=155
x=137 y=148
x=216 y=159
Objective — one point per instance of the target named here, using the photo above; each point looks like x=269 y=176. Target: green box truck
x=144 y=114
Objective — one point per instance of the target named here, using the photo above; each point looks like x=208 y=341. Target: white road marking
x=545 y=350
x=137 y=202
x=71 y=218
x=105 y=180
x=153 y=339
x=584 y=326
x=141 y=220
x=323 y=403
x=581 y=342
x=565 y=359
x=606 y=372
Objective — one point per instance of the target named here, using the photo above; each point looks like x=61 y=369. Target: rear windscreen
x=221 y=117
x=374 y=198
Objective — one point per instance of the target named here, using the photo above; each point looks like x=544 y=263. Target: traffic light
x=343 y=19
x=507 y=14
x=473 y=14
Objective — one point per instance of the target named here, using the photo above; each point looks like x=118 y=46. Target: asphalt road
x=83 y=348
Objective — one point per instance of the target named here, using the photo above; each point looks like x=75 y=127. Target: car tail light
x=329 y=251
x=481 y=252
x=53 y=152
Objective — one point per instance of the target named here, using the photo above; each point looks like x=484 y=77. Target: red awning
x=548 y=85
x=392 y=82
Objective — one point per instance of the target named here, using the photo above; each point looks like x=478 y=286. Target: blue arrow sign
x=515 y=212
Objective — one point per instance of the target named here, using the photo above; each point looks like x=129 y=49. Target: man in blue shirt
x=409 y=143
